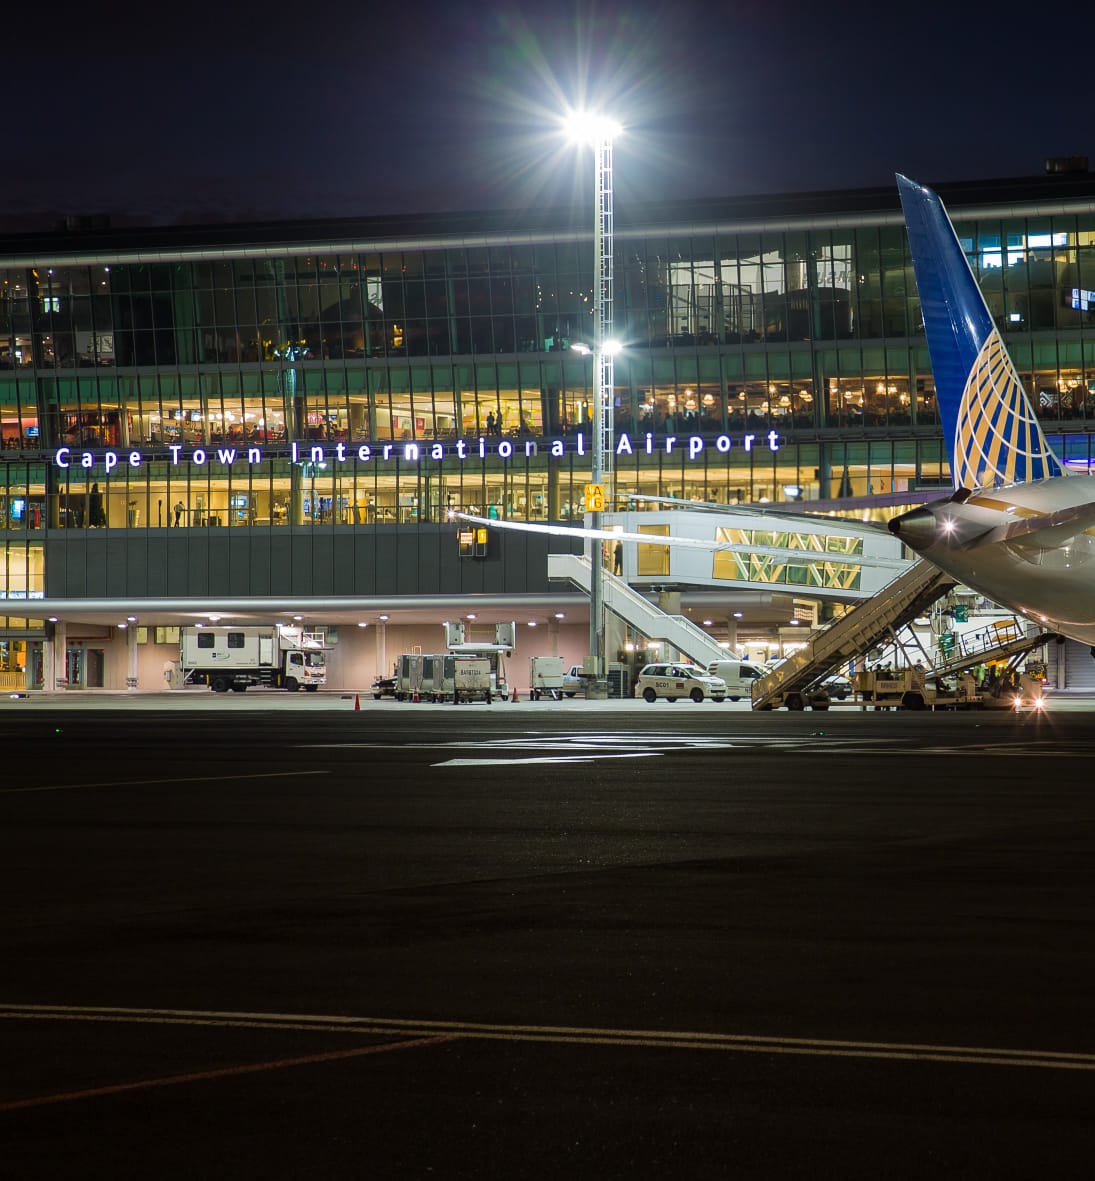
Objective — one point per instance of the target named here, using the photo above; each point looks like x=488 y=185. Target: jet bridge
x=862 y=628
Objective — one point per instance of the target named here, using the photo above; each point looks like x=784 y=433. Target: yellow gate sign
x=595 y=498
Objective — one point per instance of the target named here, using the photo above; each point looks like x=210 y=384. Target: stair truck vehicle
x=238 y=658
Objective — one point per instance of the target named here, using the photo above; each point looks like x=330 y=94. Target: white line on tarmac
x=7 y=791
x=567 y=1035
x=591 y=758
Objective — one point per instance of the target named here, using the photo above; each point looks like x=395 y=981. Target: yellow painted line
x=568 y=1035
x=7 y=791
x=225 y=1072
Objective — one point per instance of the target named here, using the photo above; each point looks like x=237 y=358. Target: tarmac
x=273 y=699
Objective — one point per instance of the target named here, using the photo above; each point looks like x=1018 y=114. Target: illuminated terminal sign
x=461 y=449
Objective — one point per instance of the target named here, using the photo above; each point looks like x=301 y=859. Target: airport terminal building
x=273 y=422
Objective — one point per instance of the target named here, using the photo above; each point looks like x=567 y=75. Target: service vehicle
x=739 y=676
x=678 y=680
x=237 y=658
x=545 y=677
x=443 y=676
x=910 y=688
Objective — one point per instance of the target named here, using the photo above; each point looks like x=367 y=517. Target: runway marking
x=643 y=754
x=225 y=1072
x=7 y=791
x=422 y=1031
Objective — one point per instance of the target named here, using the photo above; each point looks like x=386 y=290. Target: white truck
x=238 y=657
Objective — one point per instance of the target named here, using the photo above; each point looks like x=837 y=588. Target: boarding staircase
x=637 y=611
x=860 y=629
x=1002 y=640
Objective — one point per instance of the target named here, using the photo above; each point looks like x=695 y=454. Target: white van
x=678 y=680
x=739 y=676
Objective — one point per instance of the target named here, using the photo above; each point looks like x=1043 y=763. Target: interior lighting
x=384 y=618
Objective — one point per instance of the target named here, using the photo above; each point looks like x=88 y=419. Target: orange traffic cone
x=357 y=701
x=415 y=698
x=514 y=697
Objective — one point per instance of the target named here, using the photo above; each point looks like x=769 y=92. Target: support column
x=382 y=649
x=131 y=653
x=732 y=633
x=53 y=676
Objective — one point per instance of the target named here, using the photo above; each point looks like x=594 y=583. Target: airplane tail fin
x=990 y=426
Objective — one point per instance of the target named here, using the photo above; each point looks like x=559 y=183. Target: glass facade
x=280 y=386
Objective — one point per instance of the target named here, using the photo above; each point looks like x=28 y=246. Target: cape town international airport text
x=265 y=424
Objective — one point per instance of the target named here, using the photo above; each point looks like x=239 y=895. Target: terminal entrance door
x=85 y=667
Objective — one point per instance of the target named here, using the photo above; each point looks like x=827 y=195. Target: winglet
x=992 y=432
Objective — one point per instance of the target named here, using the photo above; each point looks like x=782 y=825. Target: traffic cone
x=514 y=697
x=357 y=701
x=415 y=698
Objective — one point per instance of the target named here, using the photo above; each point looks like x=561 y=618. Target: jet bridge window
x=235 y=639
x=207 y=640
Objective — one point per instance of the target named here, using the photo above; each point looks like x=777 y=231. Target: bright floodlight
x=589 y=127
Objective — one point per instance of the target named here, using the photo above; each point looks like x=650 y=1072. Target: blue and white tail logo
x=990 y=426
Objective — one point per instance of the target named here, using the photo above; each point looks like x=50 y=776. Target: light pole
x=600 y=131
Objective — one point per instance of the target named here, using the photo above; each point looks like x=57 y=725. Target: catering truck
x=238 y=657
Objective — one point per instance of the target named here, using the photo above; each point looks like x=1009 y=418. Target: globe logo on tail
x=997 y=438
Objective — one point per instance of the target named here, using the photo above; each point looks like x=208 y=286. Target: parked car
x=679 y=680
x=572 y=681
x=837 y=686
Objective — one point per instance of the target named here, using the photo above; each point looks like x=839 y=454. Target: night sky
x=159 y=114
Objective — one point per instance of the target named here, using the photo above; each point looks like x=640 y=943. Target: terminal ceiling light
x=737 y=615
x=560 y=615
x=384 y=618
x=362 y=625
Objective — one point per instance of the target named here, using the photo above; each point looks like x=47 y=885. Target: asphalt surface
x=246 y=940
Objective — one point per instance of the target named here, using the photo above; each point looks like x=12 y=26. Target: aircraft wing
x=1045 y=530
x=673 y=542
x=596 y=534
x=771 y=511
